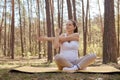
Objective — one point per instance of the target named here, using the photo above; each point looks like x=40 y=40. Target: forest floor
x=6 y=64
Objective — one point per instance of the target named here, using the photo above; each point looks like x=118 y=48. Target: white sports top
x=69 y=50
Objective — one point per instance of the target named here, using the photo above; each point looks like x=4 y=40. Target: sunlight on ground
x=7 y=64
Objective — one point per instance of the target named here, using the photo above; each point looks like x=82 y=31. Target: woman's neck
x=68 y=33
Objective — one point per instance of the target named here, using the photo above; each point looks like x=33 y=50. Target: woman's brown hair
x=75 y=25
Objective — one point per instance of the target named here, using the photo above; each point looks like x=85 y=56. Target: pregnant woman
x=68 y=59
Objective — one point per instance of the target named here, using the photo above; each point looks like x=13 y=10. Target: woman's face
x=69 y=26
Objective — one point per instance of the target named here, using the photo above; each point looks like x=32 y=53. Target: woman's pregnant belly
x=70 y=55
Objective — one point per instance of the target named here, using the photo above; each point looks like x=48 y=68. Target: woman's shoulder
x=75 y=34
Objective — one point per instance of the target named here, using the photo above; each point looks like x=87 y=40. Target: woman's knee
x=92 y=56
x=58 y=57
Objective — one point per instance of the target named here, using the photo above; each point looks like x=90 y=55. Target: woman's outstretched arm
x=55 y=40
x=58 y=39
x=45 y=38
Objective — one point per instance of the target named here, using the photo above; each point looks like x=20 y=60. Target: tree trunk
x=9 y=31
x=109 y=36
x=60 y=14
x=52 y=20
x=49 y=53
x=85 y=24
x=24 y=28
x=102 y=29
x=118 y=30
x=29 y=14
x=5 y=31
x=12 y=32
x=86 y=28
x=69 y=9
x=58 y=2
x=74 y=10
x=21 y=35
x=39 y=43
x=44 y=30
x=61 y=17
x=89 y=30
x=3 y=13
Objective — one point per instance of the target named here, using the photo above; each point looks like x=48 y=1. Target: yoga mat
x=94 y=69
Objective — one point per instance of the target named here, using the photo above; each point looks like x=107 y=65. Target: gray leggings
x=82 y=62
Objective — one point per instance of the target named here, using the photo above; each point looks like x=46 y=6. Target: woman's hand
x=56 y=42
x=58 y=30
